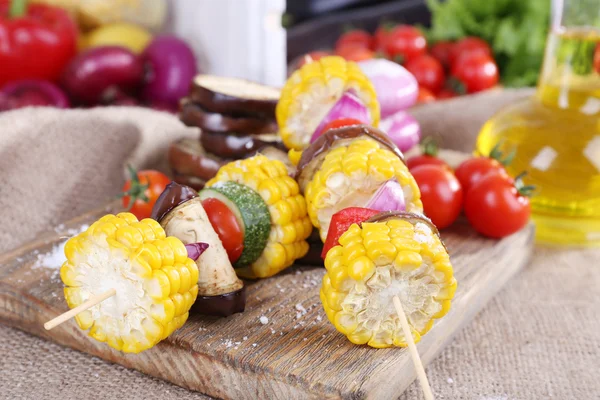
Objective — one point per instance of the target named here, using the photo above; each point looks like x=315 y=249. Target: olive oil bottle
x=556 y=133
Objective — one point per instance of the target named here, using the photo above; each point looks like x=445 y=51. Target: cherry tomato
x=353 y=52
x=382 y=34
x=428 y=157
x=495 y=208
x=441 y=194
x=405 y=43
x=425 y=96
x=226 y=226
x=338 y=123
x=597 y=58
x=471 y=171
x=143 y=189
x=475 y=72
x=425 y=159
x=467 y=46
x=446 y=94
x=441 y=51
x=428 y=72
x=312 y=56
x=355 y=37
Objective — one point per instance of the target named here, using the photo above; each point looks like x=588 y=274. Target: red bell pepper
x=36 y=41
x=341 y=221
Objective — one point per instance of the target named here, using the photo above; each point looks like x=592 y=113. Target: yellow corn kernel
x=361 y=268
x=407 y=260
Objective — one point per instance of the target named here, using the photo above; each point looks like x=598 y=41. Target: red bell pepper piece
x=36 y=41
x=341 y=221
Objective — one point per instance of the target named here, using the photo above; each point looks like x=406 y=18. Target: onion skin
x=403 y=129
x=171 y=67
x=32 y=92
x=396 y=88
x=91 y=76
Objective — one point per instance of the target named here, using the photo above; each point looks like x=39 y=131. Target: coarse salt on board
x=55 y=258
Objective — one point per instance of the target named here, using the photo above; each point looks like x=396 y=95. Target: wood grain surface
x=297 y=354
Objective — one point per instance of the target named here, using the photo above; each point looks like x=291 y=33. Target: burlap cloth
x=538 y=339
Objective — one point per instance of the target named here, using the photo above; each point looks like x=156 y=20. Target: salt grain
x=264 y=320
x=450 y=380
x=55 y=258
x=245 y=338
x=254 y=345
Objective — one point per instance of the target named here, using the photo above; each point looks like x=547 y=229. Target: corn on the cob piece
x=311 y=92
x=155 y=281
x=398 y=254
x=345 y=167
x=290 y=225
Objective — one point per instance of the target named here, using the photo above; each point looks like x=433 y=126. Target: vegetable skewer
x=80 y=308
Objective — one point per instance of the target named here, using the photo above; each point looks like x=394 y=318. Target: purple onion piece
x=32 y=92
x=403 y=129
x=396 y=88
x=195 y=250
x=389 y=197
x=171 y=66
x=348 y=106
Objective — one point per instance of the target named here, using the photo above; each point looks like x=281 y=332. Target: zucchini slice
x=251 y=212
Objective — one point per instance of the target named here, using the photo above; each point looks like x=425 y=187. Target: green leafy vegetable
x=515 y=29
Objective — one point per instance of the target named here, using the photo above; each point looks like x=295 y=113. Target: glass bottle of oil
x=556 y=133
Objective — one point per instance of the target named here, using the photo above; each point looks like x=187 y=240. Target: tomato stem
x=18 y=8
x=496 y=154
x=522 y=189
x=137 y=191
x=430 y=147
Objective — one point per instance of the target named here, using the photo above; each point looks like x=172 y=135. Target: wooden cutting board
x=297 y=354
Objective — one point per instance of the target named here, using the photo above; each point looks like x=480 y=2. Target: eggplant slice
x=237 y=146
x=193 y=114
x=234 y=96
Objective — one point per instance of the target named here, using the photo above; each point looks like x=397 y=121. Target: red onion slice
x=195 y=250
x=348 y=106
x=403 y=129
x=396 y=88
x=389 y=197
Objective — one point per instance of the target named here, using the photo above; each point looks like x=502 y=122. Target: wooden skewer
x=82 y=307
x=414 y=353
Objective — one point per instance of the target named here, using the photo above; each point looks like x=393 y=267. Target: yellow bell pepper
x=122 y=34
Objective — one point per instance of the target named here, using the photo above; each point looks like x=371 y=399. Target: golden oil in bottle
x=556 y=135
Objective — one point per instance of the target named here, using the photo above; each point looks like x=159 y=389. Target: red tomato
x=356 y=37
x=425 y=96
x=597 y=58
x=425 y=159
x=428 y=72
x=338 y=123
x=312 y=56
x=405 y=43
x=441 y=194
x=352 y=52
x=143 y=189
x=495 y=208
x=476 y=72
x=466 y=46
x=226 y=226
x=382 y=34
x=441 y=52
x=446 y=94
x=471 y=171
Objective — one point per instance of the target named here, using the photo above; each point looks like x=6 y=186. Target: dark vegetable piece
x=98 y=74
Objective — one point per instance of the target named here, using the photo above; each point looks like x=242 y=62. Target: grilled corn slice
x=398 y=254
x=312 y=91
x=290 y=225
x=155 y=281
x=345 y=167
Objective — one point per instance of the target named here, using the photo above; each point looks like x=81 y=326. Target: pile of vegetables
x=507 y=36
x=495 y=204
x=54 y=64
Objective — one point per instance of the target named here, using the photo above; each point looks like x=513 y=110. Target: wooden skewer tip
x=82 y=307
